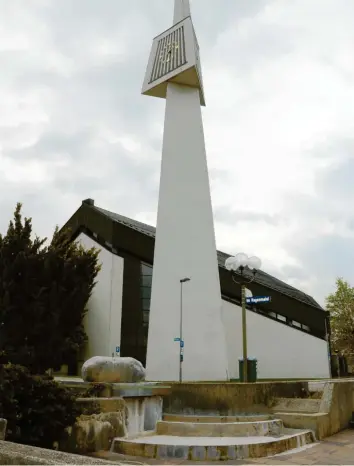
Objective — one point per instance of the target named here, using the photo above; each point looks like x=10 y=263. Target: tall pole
x=240 y=262
x=244 y=332
x=181 y=334
x=181 y=342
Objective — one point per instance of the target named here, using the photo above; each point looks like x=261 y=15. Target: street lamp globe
x=254 y=263
x=241 y=259
x=231 y=264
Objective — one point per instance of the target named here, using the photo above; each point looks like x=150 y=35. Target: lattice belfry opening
x=170 y=54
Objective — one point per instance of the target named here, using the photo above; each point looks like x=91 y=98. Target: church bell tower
x=185 y=298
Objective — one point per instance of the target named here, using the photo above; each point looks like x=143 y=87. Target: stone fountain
x=116 y=402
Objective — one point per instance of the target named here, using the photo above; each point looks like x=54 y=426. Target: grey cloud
x=334 y=186
x=228 y=216
x=219 y=174
x=84 y=92
x=45 y=206
x=337 y=181
x=75 y=23
x=324 y=259
x=211 y=22
x=290 y=272
x=264 y=44
x=256 y=45
x=84 y=150
x=333 y=147
x=333 y=255
x=324 y=256
x=97 y=93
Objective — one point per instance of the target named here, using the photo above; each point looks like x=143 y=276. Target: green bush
x=37 y=408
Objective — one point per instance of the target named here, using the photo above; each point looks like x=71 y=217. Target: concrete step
x=317 y=422
x=296 y=405
x=220 y=429
x=206 y=418
x=210 y=448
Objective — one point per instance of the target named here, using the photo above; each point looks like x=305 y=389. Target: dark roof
x=262 y=278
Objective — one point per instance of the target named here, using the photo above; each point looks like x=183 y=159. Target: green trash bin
x=251 y=370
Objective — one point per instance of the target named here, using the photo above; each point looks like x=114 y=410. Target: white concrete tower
x=185 y=239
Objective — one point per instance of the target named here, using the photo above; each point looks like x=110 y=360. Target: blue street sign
x=182 y=344
x=177 y=339
x=117 y=349
x=258 y=299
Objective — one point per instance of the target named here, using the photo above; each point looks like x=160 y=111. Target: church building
x=288 y=336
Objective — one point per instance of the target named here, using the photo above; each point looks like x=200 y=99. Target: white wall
x=103 y=320
x=282 y=351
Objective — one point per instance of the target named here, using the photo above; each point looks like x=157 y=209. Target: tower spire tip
x=182 y=10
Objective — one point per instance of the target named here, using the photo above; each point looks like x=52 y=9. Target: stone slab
x=125 y=390
x=211 y=418
x=210 y=449
x=220 y=429
x=139 y=389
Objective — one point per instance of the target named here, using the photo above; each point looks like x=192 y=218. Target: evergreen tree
x=44 y=290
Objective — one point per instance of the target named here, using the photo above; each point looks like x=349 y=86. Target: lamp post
x=244 y=264
x=181 y=342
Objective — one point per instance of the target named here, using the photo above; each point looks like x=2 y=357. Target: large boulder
x=113 y=370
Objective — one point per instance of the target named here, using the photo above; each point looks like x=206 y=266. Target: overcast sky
x=279 y=79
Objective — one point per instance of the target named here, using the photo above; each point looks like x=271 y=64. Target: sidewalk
x=338 y=449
